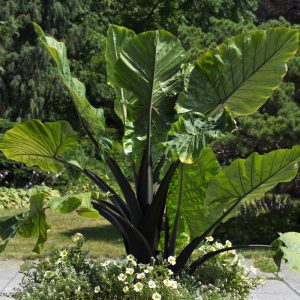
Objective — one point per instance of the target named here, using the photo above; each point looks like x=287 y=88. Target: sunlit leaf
x=240 y=74
x=36 y=143
x=92 y=118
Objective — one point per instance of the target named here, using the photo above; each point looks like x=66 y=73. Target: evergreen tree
x=30 y=87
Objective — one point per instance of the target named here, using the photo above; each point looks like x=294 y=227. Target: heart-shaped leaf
x=240 y=74
x=37 y=143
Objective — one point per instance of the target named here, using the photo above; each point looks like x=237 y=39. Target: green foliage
x=79 y=202
x=187 y=191
x=266 y=265
x=224 y=276
x=269 y=128
x=83 y=24
x=29 y=224
x=69 y=274
x=151 y=66
x=192 y=132
x=250 y=178
x=288 y=245
x=225 y=84
x=19 y=198
x=259 y=221
x=38 y=144
x=92 y=119
x=35 y=224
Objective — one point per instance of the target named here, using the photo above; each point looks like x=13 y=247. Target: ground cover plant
x=11 y=198
x=172 y=111
x=68 y=273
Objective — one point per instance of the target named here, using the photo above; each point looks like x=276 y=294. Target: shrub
x=70 y=274
x=260 y=220
x=19 y=198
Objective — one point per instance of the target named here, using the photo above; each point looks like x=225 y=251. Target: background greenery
x=30 y=87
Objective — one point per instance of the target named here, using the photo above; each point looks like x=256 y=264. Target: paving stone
x=284 y=287
x=10 y=277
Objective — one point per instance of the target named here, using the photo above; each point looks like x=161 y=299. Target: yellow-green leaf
x=38 y=144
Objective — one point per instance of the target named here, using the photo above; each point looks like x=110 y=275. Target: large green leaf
x=92 y=119
x=149 y=67
x=117 y=37
x=250 y=178
x=37 y=143
x=288 y=245
x=193 y=132
x=189 y=183
x=35 y=224
x=240 y=74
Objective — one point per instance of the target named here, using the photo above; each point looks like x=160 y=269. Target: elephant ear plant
x=172 y=111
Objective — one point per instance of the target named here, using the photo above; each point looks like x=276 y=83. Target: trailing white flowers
x=67 y=273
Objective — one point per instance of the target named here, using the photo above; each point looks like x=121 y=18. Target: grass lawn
x=263 y=259
x=102 y=240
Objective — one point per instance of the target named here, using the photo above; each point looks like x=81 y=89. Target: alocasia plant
x=172 y=111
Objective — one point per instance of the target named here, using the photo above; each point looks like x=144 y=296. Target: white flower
x=77 y=237
x=118 y=264
x=173 y=284
x=149 y=269
x=218 y=246
x=63 y=253
x=130 y=257
x=122 y=277
x=152 y=284
x=140 y=276
x=228 y=243
x=125 y=289
x=209 y=238
x=134 y=263
x=253 y=270
x=166 y=282
x=235 y=259
x=156 y=296
x=97 y=289
x=129 y=271
x=138 y=286
x=172 y=260
x=142 y=266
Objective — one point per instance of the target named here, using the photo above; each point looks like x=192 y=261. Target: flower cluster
x=223 y=276
x=68 y=274
x=142 y=281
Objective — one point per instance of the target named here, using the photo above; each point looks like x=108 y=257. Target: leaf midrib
x=254 y=71
x=241 y=197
